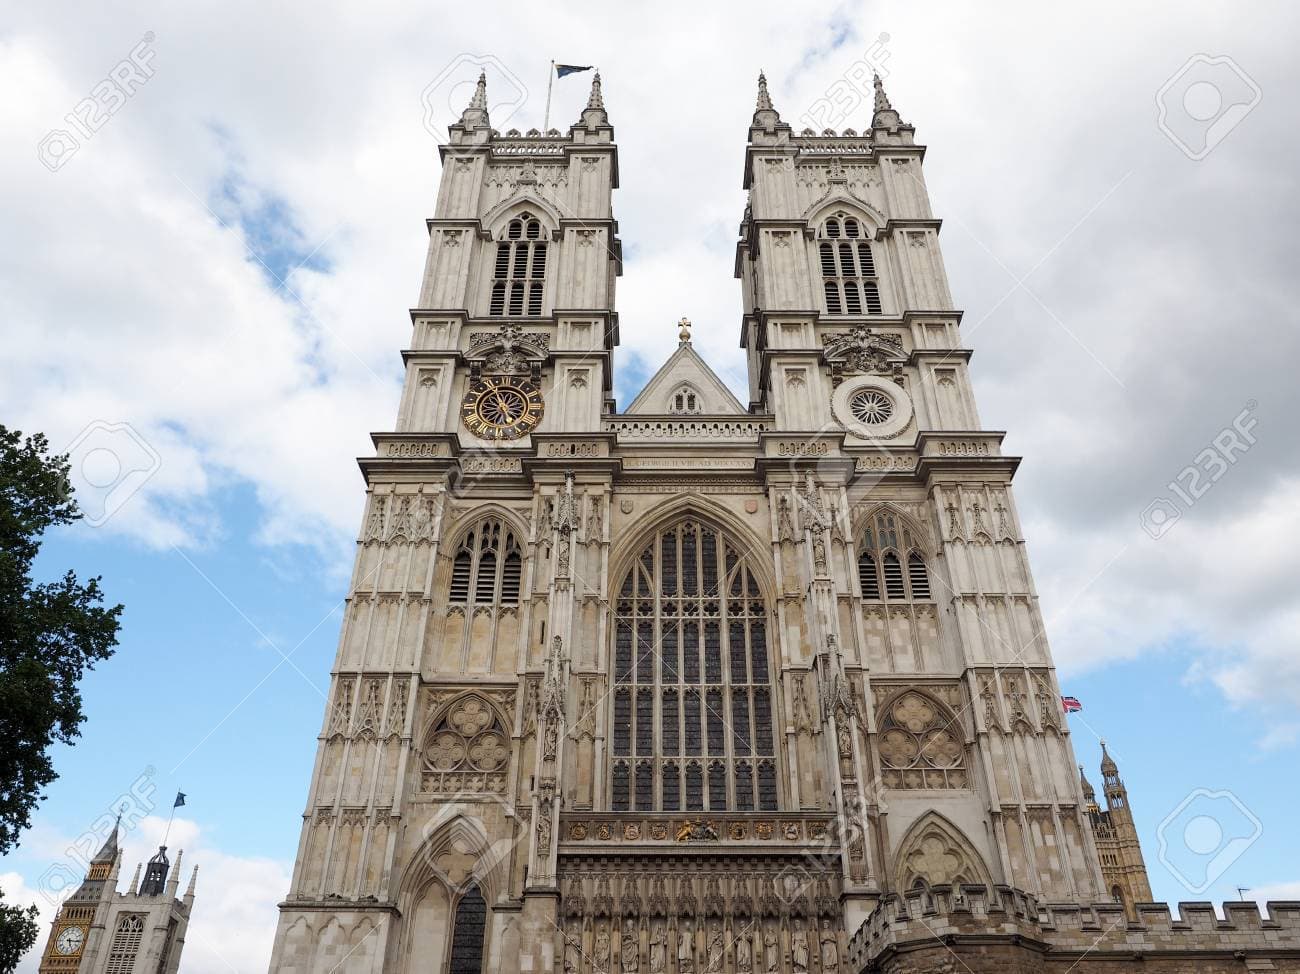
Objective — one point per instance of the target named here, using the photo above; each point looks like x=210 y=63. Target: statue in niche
x=799 y=951
x=686 y=950
x=631 y=953
x=573 y=950
x=602 y=950
x=716 y=949
x=744 y=953
x=771 y=951
x=830 y=948
x=658 y=949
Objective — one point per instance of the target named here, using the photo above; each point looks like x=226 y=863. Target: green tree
x=50 y=634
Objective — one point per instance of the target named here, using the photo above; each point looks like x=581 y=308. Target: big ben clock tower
x=101 y=931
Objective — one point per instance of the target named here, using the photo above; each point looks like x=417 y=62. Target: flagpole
x=546 y=119
x=168 y=830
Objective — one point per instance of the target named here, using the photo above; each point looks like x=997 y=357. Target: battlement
x=1072 y=933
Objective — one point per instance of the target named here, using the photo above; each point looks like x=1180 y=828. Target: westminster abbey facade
x=701 y=685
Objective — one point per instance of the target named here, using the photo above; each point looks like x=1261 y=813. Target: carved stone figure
x=830 y=948
x=631 y=953
x=685 y=950
x=771 y=951
x=716 y=949
x=602 y=950
x=573 y=951
x=799 y=951
x=744 y=953
x=658 y=949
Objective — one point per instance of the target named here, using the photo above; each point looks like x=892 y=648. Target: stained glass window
x=691 y=678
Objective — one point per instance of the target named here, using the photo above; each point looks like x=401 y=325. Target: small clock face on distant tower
x=502 y=408
x=70 y=940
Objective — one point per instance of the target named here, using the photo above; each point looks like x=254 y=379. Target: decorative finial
x=476 y=112
x=684 y=331
x=764 y=99
x=882 y=99
x=135 y=881
x=189 y=892
x=596 y=100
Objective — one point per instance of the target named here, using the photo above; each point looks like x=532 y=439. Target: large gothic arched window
x=848 y=268
x=693 y=709
x=519 y=274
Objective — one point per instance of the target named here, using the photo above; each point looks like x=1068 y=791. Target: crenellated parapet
x=997 y=928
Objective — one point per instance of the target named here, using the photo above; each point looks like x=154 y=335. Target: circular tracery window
x=871 y=406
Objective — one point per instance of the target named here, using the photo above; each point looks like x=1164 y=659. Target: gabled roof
x=685 y=367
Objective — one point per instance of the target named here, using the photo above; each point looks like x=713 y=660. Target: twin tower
x=696 y=685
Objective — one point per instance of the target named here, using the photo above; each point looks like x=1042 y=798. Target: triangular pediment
x=686 y=373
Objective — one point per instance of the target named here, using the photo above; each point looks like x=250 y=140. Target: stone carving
x=785 y=522
x=595 y=522
x=573 y=949
x=716 y=949
x=744 y=953
x=815 y=521
x=685 y=949
x=602 y=951
x=374 y=530
x=862 y=351
x=771 y=951
x=467 y=751
x=920 y=745
x=630 y=955
x=341 y=717
x=396 y=720
x=511 y=338
x=799 y=950
x=697 y=831
x=658 y=948
x=830 y=949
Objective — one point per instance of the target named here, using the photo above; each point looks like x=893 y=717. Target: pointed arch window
x=920 y=745
x=487 y=568
x=849 y=279
x=685 y=401
x=519 y=272
x=891 y=566
x=467 y=934
x=467 y=750
x=692 y=708
x=126 y=944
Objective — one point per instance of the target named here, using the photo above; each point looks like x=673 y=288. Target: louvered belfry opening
x=890 y=562
x=848 y=269
x=519 y=272
x=487 y=568
x=692 y=709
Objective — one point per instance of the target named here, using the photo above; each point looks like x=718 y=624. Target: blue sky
x=249 y=237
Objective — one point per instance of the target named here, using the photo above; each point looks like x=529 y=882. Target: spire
x=1108 y=767
x=882 y=99
x=884 y=116
x=189 y=891
x=108 y=851
x=765 y=115
x=135 y=881
x=764 y=99
x=174 y=879
x=475 y=114
x=1088 y=791
x=594 y=114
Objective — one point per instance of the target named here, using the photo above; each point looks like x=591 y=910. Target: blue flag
x=562 y=69
x=180 y=799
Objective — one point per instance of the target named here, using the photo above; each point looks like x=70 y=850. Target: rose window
x=871 y=406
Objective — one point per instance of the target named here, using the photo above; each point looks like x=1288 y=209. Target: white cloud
x=234 y=894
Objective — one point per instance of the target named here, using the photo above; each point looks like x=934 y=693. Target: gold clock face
x=70 y=940
x=502 y=408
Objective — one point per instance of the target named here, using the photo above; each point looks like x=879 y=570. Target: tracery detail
x=692 y=708
x=920 y=745
x=467 y=750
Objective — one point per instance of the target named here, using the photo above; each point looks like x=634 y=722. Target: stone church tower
x=140 y=931
x=1123 y=869
x=694 y=686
